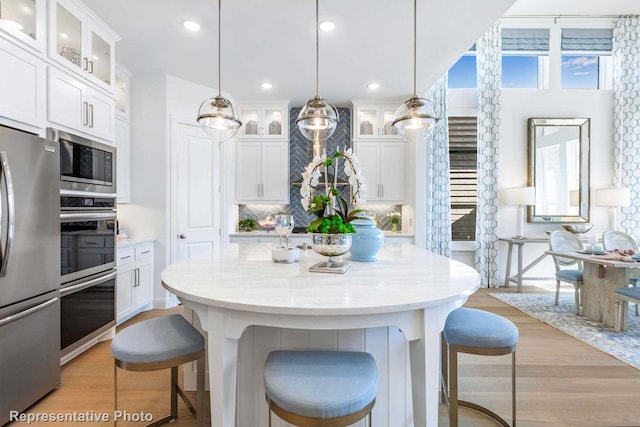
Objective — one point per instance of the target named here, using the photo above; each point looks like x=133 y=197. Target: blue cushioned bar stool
x=472 y=331
x=320 y=388
x=161 y=343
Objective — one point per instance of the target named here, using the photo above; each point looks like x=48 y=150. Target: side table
x=518 y=277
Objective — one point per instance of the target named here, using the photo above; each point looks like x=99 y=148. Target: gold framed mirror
x=559 y=169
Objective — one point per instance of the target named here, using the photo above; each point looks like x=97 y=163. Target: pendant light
x=416 y=115
x=217 y=116
x=317 y=119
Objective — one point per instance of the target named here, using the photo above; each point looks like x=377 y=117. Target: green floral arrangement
x=394 y=217
x=332 y=224
x=247 y=224
x=332 y=210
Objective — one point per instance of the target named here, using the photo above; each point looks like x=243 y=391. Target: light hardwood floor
x=561 y=381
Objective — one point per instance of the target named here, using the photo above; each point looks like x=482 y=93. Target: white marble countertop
x=274 y=234
x=243 y=277
x=133 y=242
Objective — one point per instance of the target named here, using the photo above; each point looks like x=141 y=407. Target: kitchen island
x=236 y=287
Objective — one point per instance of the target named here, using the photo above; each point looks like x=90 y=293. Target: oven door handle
x=87 y=216
x=8 y=183
x=75 y=288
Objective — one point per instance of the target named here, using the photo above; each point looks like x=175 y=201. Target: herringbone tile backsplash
x=300 y=154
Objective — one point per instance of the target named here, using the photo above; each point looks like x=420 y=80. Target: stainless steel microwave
x=85 y=165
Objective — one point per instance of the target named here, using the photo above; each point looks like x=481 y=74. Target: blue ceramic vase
x=366 y=241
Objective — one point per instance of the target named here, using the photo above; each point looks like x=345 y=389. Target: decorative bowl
x=578 y=228
x=331 y=244
x=267 y=223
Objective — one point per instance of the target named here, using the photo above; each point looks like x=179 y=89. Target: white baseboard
x=108 y=335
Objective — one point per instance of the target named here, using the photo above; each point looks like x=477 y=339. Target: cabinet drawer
x=124 y=256
x=144 y=252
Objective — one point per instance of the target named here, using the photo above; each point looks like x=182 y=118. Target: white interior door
x=196 y=198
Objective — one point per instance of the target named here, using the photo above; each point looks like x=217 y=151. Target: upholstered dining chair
x=618 y=240
x=564 y=241
x=161 y=343
x=311 y=388
x=623 y=297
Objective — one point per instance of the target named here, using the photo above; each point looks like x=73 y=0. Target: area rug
x=624 y=346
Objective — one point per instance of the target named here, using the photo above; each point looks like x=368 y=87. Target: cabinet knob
x=182 y=236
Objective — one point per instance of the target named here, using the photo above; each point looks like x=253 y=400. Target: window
x=520 y=71
x=586 y=58
x=580 y=72
x=463 y=159
x=463 y=74
x=522 y=59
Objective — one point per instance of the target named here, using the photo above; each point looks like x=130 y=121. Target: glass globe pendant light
x=318 y=119
x=416 y=115
x=217 y=116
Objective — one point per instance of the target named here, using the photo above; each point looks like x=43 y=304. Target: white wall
x=145 y=217
x=156 y=98
x=517 y=106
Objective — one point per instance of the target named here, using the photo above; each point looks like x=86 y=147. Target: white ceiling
x=274 y=41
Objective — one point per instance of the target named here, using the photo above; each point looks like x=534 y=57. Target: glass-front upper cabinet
x=100 y=59
x=81 y=43
x=25 y=20
x=69 y=39
x=371 y=121
x=264 y=121
x=122 y=92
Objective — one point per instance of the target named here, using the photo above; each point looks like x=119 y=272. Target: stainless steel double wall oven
x=87 y=239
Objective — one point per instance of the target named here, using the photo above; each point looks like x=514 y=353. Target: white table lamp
x=613 y=198
x=574 y=198
x=520 y=197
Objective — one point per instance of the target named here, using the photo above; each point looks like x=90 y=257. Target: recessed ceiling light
x=373 y=86
x=327 y=26
x=191 y=26
x=64 y=36
x=266 y=85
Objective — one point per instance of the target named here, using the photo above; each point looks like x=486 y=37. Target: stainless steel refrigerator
x=29 y=269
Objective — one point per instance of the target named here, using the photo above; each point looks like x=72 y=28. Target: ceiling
x=274 y=41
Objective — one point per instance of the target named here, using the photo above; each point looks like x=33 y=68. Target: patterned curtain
x=438 y=190
x=489 y=60
x=626 y=150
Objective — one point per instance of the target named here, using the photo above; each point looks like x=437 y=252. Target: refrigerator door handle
x=8 y=183
x=27 y=312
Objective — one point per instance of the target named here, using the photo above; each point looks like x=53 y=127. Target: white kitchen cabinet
x=123 y=92
x=22 y=85
x=24 y=20
x=143 y=287
x=383 y=167
x=135 y=280
x=373 y=121
x=81 y=42
x=263 y=121
x=124 y=283
x=77 y=106
x=123 y=155
x=262 y=172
